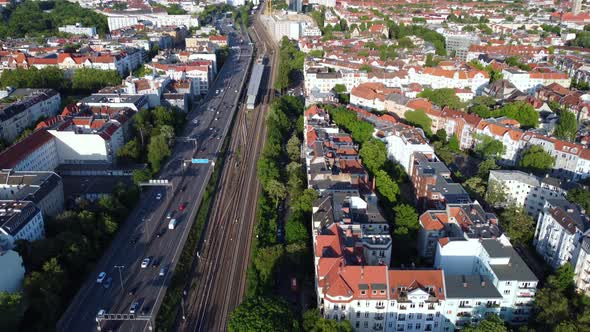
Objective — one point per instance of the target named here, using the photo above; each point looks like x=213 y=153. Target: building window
x=507 y=292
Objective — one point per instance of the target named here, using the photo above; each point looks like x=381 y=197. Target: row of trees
x=42 y=18
x=56 y=265
x=84 y=80
x=154 y=133
x=282 y=178
x=291 y=64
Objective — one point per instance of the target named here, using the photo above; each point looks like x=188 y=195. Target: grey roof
x=568 y=215
x=255 y=77
x=14 y=215
x=99 y=98
x=519 y=176
x=515 y=269
x=29 y=186
x=470 y=287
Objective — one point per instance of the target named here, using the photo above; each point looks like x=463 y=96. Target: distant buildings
x=458 y=44
x=78 y=29
x=44 y=189
x=156 y=17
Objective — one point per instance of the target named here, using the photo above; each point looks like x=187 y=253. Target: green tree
x=580 y=197
x=276 y=190
x=295 y=231
x=420 y=119
x=314 y=322
x=386 y=187
x=443 y=97
x=162 y=116
x=373 y=154
x=90 y=79
x=567 y=126
x=522 y=112
x=492 y=323
x=294 y=148
x=131 y=151
x=141 y=175
x=265 y=262
x=496 y=194
x=536 y=159
x=11 y=310
x=485 y=167
x=488 y=147
x=142 y=122
x=475 y=186
x=304 y=202
x=158 y=150
x=454 y=143
x=406 y=220
x=261 y=314
x=518 y=224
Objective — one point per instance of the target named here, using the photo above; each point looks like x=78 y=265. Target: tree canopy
x=488 y=147
x=443 y=97
x=420 y=119
x=518 y=224
x=406 y=220
x=36 y=18
x=536 y=159
x=567 y=126
x=261 y=314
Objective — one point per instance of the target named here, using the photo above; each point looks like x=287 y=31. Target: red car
x=181 y=207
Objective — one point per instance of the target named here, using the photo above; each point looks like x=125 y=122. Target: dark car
x=161 y=232
x=133 y=290
x=134 y=239
x=156 y=262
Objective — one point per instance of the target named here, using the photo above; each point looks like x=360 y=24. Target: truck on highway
x=172 y=224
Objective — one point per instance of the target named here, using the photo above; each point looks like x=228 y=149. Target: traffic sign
x=200 y=161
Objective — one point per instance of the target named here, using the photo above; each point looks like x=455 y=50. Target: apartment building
x=492 y=259
x=156 y=17
x=503 y=130
x=37 y=152
x=201 y=72
x=463 y=221
x=530 y=82
x=78 y=29
x=561 y=227
x=402 y=142
x=20 y=220
x=562 y=237
x=44 y=189
x=526 y=190
x=21 y=108
x=352 y=251
x=433 y=186
x=459 y=44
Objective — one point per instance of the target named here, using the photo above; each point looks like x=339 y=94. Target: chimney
x=483 y=283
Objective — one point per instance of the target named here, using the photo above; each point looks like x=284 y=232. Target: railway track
x=219 y=279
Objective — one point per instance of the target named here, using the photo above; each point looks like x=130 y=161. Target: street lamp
x=119 y=267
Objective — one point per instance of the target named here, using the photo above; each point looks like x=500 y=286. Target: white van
x=172 y=224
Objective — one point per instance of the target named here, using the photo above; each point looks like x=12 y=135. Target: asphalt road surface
x=207 y=125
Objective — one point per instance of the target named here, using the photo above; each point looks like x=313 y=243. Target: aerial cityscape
x=291 y=165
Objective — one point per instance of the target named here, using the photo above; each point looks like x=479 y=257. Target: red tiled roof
x=10 y=157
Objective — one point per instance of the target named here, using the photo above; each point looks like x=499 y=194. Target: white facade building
x=20 y=220
x=78 y=29
x=526 y=190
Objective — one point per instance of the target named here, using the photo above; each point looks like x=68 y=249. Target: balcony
x=431 y=307
x=493 y=305
x=378 y=327
x=379 y=317
x=464 y=314
x=428 y=328
x=402 y=307
x=465 y=306
x=525 y=294
x=380 y=306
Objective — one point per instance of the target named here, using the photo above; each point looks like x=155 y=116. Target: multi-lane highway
x=219 y=275
x=207 y=126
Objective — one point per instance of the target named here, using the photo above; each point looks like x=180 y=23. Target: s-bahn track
x=219 y=278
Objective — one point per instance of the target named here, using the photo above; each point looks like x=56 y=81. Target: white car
x=158 y=196
x=101 y=313
x=195 y=121
x=145 y=263
x=101 y=277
